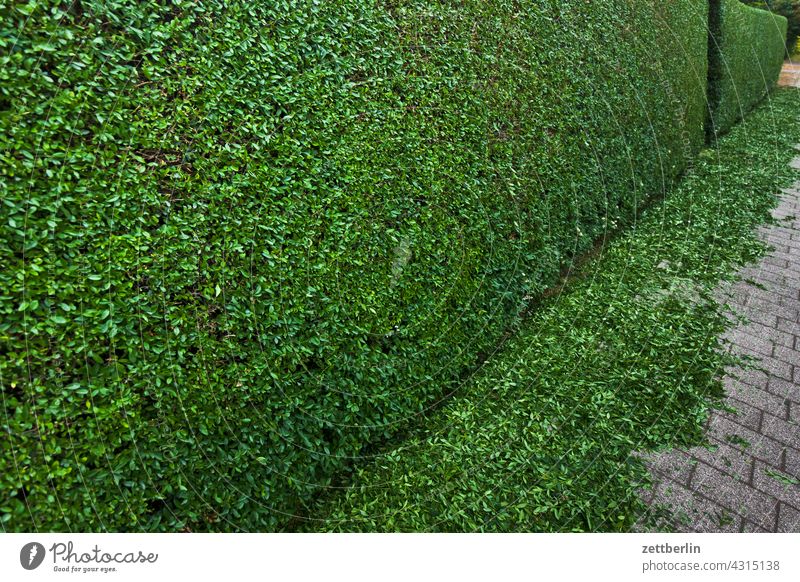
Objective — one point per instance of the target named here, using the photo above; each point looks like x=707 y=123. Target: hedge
x=787 y=8
x=746 y=52
x=246 y=242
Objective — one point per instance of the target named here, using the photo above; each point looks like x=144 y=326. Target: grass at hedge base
x=747 y=47
x=624 y=360
x=242 y=241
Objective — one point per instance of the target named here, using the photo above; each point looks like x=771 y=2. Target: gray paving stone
x=764 y=318
x=744 y=414
x=693 y=513
x=790 y=300
x=735 y=495
x=779 y=236
x=726 y=459
x=646 y=493
x=750 y=527
x=793 y=281
x=776 y=368
x=776 y=483
x=788 y=355
x=783 y=388
x=790 y=275
x=793 y=271
x=791 y=327
x=675 y=466
x=783 y=263
x=754 y=378
x=791 y=465
x=749 y=344
x=782 y=252
x=758 y=398
x=778 y=250
x=747 y=297
x=745 y=440
x=773 y=334
x=781 y=430
x=789 y=521
x=764 y=278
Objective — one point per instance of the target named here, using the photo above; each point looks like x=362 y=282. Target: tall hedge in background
x=746 y=53
x=243 y=242
x=788 y=8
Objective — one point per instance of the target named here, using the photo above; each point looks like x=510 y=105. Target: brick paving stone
x=646 y=493
x=782 y=252
x=763 y=318
x=788 y=355
x=790 y=300
x=742 y=413
x=726 y=459
x=693 y=513
x=791 y=327
x=776 y=368
x=776 y=235
x=764 y=278
x=745 y=440
x=773 y=334
x=791 y=465
x=793 y=271
x=784 y=389
x=758 y=398
x=755 y=378
x=781 y=430
x=789 y=521
x=750 y=344
x=751 y=297
x=783 y=263
x=735 y=495
x=776 y=483
x=676 y=468
x=753 y=528
x=794 y=411
x=790 y=275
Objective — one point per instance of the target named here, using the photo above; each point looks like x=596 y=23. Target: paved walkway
x=749 y=480
x=790 y=75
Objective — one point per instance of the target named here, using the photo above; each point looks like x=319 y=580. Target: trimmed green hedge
x=243 y=242
x=746 y=51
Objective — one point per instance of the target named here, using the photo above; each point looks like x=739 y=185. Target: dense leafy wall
x=243 y=241
x=746 y=52
x=788 y=8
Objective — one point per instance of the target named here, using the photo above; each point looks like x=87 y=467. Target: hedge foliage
x=788 y=8
x=243 y=242
x=746 y=52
